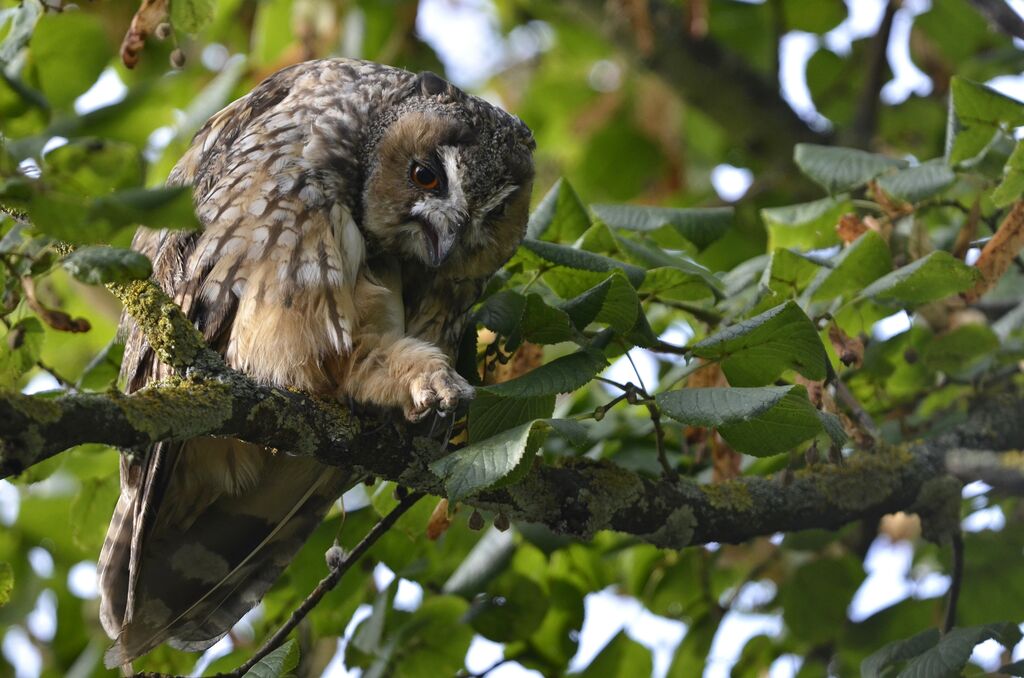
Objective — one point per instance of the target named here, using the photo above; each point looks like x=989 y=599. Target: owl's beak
x=440 y=241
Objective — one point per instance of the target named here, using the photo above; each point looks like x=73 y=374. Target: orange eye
x=424 y=177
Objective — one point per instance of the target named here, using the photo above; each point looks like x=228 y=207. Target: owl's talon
x=439 y=392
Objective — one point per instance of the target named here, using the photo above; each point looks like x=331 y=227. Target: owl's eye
x=424 y=177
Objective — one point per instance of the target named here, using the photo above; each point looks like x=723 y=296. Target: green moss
x=175 y=340
x=938 y=505
x=677 y=531
x=731 y=496
x=38 y=409
x=177 y=408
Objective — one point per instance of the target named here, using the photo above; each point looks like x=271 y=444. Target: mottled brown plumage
x=323 y=264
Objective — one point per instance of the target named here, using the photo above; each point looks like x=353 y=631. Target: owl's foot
x=439 y=390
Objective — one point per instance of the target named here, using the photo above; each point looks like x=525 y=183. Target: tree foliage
x=762 y=395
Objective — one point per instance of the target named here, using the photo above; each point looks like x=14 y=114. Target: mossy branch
x=576 y=497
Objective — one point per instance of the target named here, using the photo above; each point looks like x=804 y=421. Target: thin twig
x=659 y=441
x=866 y=117
x=954 y=587
x=328 y=583
x=850 y=401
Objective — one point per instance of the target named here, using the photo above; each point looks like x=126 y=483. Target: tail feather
x=194 y=584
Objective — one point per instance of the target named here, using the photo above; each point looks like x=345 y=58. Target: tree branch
x=576 y=497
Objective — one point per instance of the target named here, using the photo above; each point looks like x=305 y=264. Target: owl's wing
x=202 y=527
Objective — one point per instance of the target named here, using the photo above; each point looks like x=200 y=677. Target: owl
x=351 y=214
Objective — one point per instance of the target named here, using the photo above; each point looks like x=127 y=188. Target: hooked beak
x=440 y=242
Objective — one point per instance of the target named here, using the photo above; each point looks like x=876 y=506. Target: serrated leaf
x=502 y=312
x=561 y=375
x=191 y=16
x=758 y=421
x=99 y=264
x=502 y=458
x=560 y=215
x=6 y=582
x=839 y=169
x=898 y=652
x=914 y=184
x=613 y=302
x=788 y=272
x=948 y=658
x=976 y=113
x=570 y=257
x=544 y=324
x=932 y=277
x=278 y=664
x=807 y=226
x=654 y=257
x=864 y=261
x=701 y=226
x=755 y=352
x=491 y=414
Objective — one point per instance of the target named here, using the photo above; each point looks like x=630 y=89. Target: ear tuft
x=432 y=84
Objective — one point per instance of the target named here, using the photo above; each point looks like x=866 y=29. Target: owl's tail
x=203 y=560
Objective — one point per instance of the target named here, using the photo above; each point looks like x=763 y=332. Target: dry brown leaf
x=999 y=252
x=850 y=227
x=150 y=14
x=849 y=349
x=439 y=521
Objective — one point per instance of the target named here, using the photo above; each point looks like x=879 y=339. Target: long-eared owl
x=351 y=214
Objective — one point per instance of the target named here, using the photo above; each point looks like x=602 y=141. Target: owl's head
x=449 y=177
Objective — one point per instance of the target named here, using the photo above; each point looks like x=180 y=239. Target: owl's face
x=445 y=182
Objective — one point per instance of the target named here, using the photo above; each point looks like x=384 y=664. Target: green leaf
x=433 y=642
x=758 y=421
x=560 y=215
x=841 y=169
x=612 y=302
x=94 y=167
x=101 y=372
x=19 y=350
x=69 y=51
x=809 y=225
x=932 y=277
x=959 y=348
x=502 y=458
x=813 y=17
x=1014 y=669
x=622 y=656
x=976 y=113
x=1012 y=186
x=692 y=655
x=789 y=272
x=563 y=255
x=897 y=652
x=99 y=264
x=948 y=658
x=491 y=414
x=23 y=22
x=512 y=609
x=914 y=184
x=279 y=663
x=544 y=324
x=561 y=375
x=191 y=16
x=701 y=226
x=6 y=582
x=652 y=256
x=502 y=312
x=864 y=261
x=755 y=352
